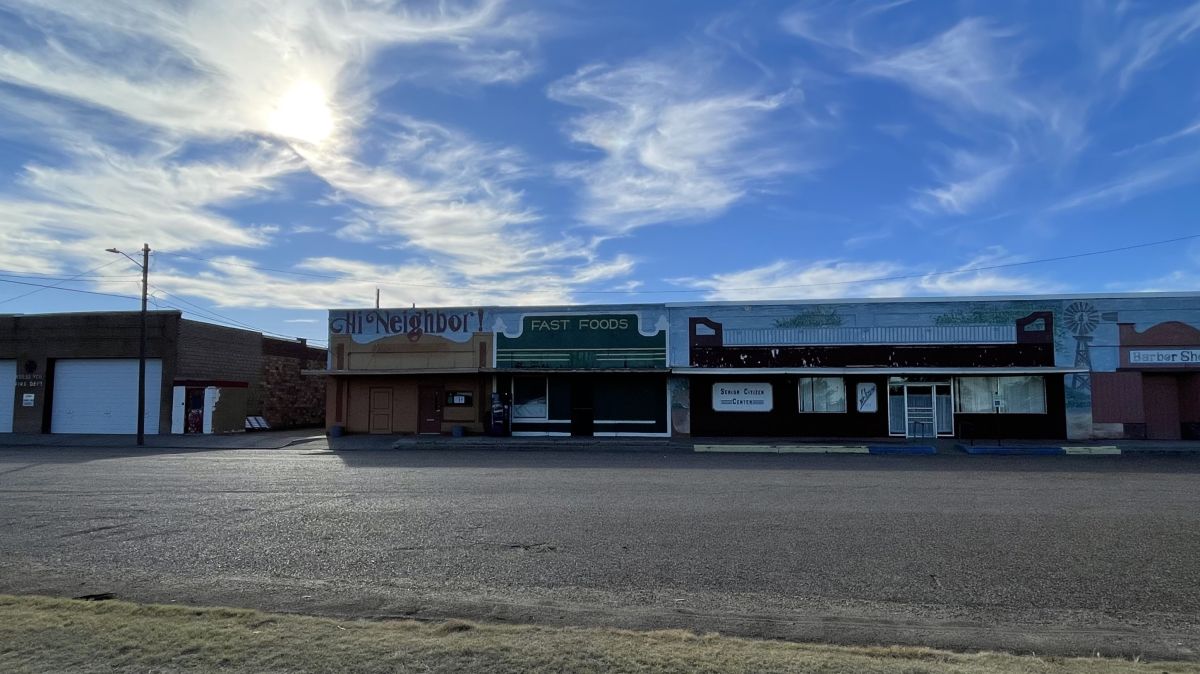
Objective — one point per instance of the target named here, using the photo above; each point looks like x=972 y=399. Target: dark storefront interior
x=585 y=404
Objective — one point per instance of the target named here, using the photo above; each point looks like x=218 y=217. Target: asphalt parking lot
x=1045 y=554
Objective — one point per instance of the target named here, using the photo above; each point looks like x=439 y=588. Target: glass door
x=919 y=411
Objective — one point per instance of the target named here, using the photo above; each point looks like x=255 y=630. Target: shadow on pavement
x=452 y=457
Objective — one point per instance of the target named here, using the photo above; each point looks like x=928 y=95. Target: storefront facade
x=1041 y=367
x=559 y=371
x=585 y=371
x=969 y=368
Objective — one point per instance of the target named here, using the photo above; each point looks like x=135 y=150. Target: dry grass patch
x=55 y=635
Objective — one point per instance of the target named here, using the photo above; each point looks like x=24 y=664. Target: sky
x=283 y=157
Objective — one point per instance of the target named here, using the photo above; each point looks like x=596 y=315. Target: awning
x=756 y=371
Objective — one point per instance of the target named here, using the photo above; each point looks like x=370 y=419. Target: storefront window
x=529 y=398
x=822 y=394
x=1003 y=395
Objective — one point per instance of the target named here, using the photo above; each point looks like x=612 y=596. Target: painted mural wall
x=1084 y=333
x=576 y=337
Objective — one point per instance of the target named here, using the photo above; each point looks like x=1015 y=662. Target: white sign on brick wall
x=1164 y=356
x=742 y=397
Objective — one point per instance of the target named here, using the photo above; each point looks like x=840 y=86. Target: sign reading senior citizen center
x=1164 y=357
x=742 y=397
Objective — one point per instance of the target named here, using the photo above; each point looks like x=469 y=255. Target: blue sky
x=288 y=156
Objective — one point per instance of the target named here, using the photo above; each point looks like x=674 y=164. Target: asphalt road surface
x=1044 y=554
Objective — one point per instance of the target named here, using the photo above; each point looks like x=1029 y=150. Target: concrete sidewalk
x=255 y=440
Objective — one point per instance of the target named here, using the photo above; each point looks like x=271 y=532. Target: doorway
x=1161 y=398
x=583 y=406
x=381 y=410
x=429 y=409
x=193 y=420
x=920 y=409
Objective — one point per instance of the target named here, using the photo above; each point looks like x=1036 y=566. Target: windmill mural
x=1082 y=319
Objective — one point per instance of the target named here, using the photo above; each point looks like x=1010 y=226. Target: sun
x=303 y=113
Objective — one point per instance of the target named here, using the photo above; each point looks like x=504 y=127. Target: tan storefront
x=408 y=371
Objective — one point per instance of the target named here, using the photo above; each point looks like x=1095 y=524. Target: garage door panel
x=100 y=396
x=8 y=394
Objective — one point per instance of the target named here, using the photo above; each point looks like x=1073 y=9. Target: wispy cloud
x=217 y=102
x=969 y=180
x=1146 y=42
x=1138 y=181
x=964 y=68
x=790 y=279
x=234 y=282
x=674 y=142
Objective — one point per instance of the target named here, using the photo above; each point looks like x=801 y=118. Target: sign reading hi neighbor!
x=454 y=324
x=742 y=397
x=1164 y=357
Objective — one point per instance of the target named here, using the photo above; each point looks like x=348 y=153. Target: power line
x=80 y=277
x=62 y=281
x=231 y=322
x=70 y=290
x=879 y=279
x=212 y=316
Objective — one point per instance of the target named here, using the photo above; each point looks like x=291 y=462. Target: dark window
x=460 y=399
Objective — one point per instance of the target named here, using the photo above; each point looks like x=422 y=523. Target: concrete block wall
x=215 y=353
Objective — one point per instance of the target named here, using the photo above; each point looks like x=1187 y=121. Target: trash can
x=458 y=431
x=336 y=431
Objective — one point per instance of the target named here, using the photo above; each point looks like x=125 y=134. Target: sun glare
x=303 y=113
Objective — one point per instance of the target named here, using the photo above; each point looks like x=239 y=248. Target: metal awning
x=877 y=370
x=393 y=373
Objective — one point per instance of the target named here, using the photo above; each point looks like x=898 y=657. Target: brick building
x=77 y=373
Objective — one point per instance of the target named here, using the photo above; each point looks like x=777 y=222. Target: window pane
x=975 y=394
x=945 y=409
x=896 y=410
x=529 y=398
x=822 y=394
x=1022 y=395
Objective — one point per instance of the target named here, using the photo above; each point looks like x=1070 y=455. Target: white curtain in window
x=945 y=409
x=1022 y=395
x=822 y=394
x=896 y=410
x=975 y=394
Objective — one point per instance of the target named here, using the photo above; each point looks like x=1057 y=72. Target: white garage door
x=100 y=396
x=8 y=385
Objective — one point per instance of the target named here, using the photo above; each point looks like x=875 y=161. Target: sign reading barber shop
x=1189 y=357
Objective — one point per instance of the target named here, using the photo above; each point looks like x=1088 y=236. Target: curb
x=1047 y=450
x=814 y=449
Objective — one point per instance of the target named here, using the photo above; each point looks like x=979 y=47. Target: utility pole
x=377 y=298
x=141 y=421
x=141 y=412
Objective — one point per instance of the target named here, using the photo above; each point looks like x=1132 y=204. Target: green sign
x=582 y=342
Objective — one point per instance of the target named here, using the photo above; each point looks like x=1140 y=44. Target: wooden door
x=381 y=410
x=194 y=406
x=1161 y=397
x=429 y=409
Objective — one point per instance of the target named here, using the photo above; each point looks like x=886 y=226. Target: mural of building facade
x=1044 y=367
x=1078 y=367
